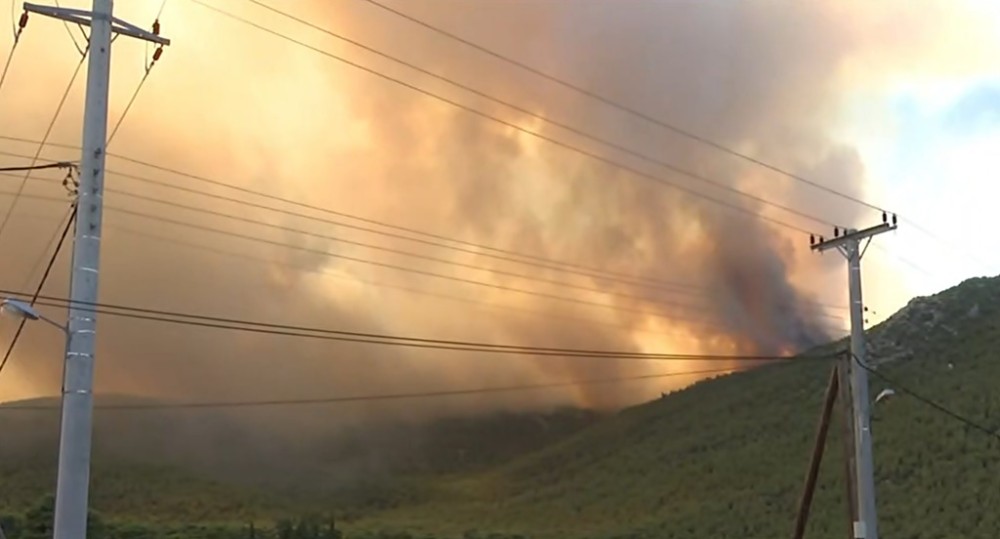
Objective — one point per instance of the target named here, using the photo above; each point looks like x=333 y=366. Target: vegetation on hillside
x=725 y=458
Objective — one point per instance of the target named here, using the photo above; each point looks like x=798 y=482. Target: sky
x=897 y=103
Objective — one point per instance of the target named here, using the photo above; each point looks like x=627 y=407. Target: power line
x=235 y=324
x=377 y=397
x=950 y=244
x=34 y=197
x=473 y=247
x=303 y=269
x=624 y=108
x=596 y=272
x=145 y=75
x=547 y=315
x=597 y=157
x=243 y=256
x=419 y=256
x=391 y=266
x=41 y=145
x=575 y=130
x=18 y=28
x=23 y=156
x=69 y=31
x=41 y=285
x=60 y=164
x=546 y=263
x=935 y=405
x=644 y=116
x=70 y=214
x=701 y=322
x=128 y=106
x=672 y=287
x=159 y=12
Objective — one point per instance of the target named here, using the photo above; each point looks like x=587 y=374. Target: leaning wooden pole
x=805 y=503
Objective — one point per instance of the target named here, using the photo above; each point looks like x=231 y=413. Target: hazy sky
x=895 y=102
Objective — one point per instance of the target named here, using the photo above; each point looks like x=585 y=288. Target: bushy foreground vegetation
x=36 y=523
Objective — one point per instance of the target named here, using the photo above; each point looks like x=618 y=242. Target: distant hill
x=223 y=466
x=724 y=458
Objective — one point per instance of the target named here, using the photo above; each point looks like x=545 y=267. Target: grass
x=725 y=458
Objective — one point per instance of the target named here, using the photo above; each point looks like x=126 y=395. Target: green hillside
x=725 y=458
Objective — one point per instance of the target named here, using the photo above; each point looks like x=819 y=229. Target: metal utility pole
x=848 y=441
x=78 y=376
x=848 y=242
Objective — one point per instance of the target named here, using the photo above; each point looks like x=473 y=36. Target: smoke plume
x=232 y=103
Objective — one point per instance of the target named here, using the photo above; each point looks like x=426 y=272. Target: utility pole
x=848 y=242
x=848 y=441
x=78 y=375
x=805 y=503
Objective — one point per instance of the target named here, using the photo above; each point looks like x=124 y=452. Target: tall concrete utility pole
x=848 y=242
x=78 y=376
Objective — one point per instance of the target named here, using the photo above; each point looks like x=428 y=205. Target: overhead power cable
x=523 y=276
x=41 y=285
x=61 y=200
x=235 y=324
x=18 y=29
x=894 y=384
x=269 y=262
x=41 y=146
x=83 y=33
x=54 y=241
x=549 y=316
x=697 y=322
x=742 y=210
x=621 y=107
x=649 y=118
x=524 y=260
x=694 y=292
x=954 y=247
x=376 y=397
x=394 y=267
x=475 y=247
x=562 y=125
x=61 y=164
x=470 y=247
x=148 y=69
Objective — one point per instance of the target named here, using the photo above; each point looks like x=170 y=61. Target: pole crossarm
x=84 y=17
x=851 y=237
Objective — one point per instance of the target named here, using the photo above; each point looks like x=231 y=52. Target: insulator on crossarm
x=156 y=27
x=836 y=232
x=885 y=217
x=812 y=239
x=23 y=21
x=157 y=54
x=895 y=219
x=822 y=239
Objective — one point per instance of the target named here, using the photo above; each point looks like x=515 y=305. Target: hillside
x=722 y=459
x=220 y=466
x=726 y=458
